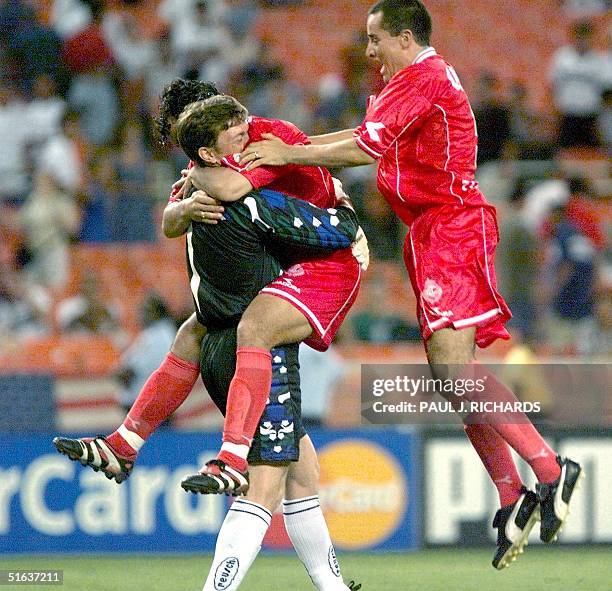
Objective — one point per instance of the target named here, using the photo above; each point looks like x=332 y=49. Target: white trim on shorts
x=307 y=311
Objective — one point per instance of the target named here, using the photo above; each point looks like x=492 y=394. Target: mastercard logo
x=363 y=493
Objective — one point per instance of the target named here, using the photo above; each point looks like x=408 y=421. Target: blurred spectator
x=132 y=218
x=603 y=310
x=527 y=130
x=493 y=116
x=175 y=11
x=240 y=15
x=69 y=17
x=99 y=199
x=87 y=49
x=573 y=270
x=579 y=210
x=63 y=155
x=34 y=48
x=582 y=8
x=319 y=373
x=23 y=306
x=49 y=218
x=94 y=96
x=579 y=74
x=148 y=349
x=279 y=98
x=14 y=182
x=200 y=40
x=604 y=122
x=361 y=76
x=542 y=198
x=259 y=69
x=376 y=322
x=333 y=101
x=161 y=70
x=45 y=111
x=518 y=265
x=87 y=311
x=132 y=51
x=381 y=225
x=497 y=178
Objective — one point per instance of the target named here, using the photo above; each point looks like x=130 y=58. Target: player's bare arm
x=220 y=183
x=199 y=207
x=330 y=138
x=272 y=151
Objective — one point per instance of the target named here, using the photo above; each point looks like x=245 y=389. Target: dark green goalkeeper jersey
x=264 y=232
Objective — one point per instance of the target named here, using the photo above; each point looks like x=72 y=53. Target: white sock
x=238 y=543
x=134 y=440
x=310 y=537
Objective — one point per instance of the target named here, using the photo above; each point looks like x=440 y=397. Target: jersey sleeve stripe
x=235 y=167
x=367 y=148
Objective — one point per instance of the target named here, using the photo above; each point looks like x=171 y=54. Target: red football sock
x=164 y=391
x=517 y=430
x=246 y=401
x=497 y=459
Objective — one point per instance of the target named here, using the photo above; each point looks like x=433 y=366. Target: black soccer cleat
x=555 y=498
x=514 y=523
x=217 y=478
x=96 y=453
x=354 y=586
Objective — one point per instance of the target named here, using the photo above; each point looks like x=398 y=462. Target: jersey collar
x=423 y=55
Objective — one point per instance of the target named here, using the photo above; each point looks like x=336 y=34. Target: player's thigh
x=448 y=349
x=188 y=340
x=303 y=477
x=267 y=484
x=271 y=321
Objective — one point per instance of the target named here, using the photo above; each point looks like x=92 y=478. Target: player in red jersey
x=308 y=302
x=421 y=131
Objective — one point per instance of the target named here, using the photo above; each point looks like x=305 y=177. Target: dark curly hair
x=175 y=97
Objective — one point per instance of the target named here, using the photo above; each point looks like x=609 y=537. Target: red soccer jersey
x=421 y=129
x=310 y=183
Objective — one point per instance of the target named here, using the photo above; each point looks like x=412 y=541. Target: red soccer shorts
x=323 y=290
x=449 y=253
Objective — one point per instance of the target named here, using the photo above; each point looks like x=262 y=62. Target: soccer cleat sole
x=200 y=484
x=75 y=456
x=578 y=485
x=516 y=550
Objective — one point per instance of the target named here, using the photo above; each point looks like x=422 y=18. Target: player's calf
x=514 y=523
x=98 y=454
x=555 y=498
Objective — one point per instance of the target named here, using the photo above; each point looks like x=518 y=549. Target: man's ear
x=406 y=38
x=208 y=156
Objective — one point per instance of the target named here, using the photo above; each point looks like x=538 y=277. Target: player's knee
x=267 y=493
x=188 y=339
x=303 y=479
x=448 y=349
x=253 y=333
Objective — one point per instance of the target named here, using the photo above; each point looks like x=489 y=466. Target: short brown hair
x=201 y=123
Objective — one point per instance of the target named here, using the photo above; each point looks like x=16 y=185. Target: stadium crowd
x=80 y=164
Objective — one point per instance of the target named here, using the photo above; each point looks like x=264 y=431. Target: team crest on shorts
x=432 y=292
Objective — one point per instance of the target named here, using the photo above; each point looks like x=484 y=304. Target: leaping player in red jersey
x=421 y=131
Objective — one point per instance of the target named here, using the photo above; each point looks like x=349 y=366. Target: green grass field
x=558 y=569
